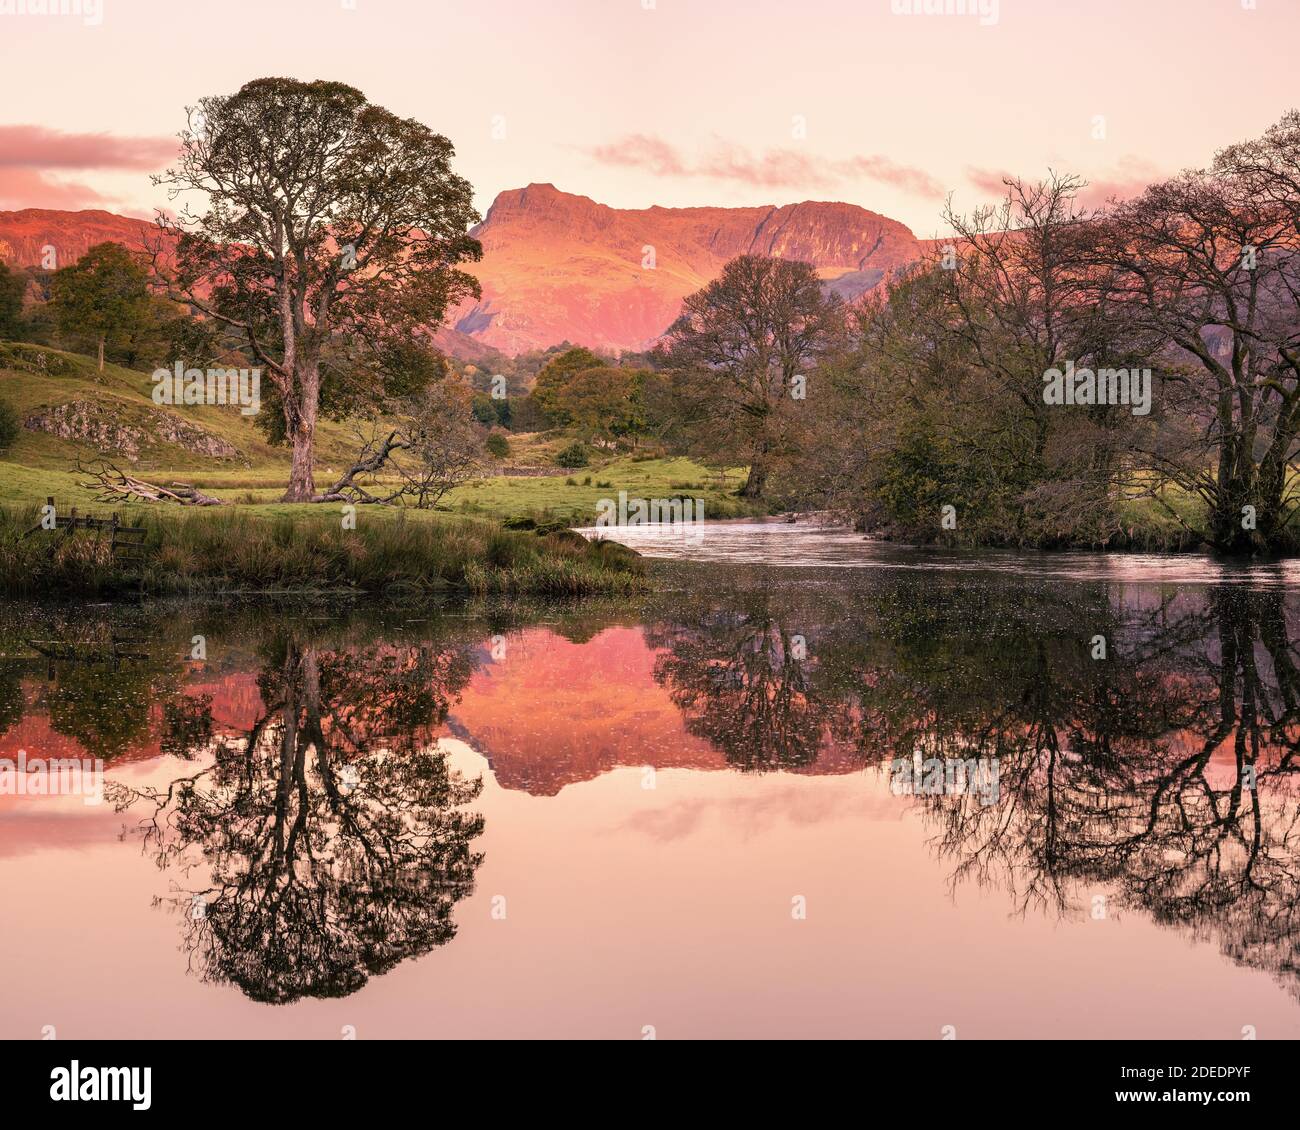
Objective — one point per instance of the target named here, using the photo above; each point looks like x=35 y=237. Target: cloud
x=775 y=168
x=36 y=147
x=29 y=154
x=30 y=188
x=1130 y=176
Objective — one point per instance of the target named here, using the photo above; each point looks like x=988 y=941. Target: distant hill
x=25 y=235
x=561 y=267
x=558 y=267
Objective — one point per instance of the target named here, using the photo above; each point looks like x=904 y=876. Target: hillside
x=558 y=267
x=69 y=412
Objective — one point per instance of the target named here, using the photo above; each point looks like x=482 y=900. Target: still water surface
x=681 y=815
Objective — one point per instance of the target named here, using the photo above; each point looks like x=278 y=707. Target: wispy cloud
x=30 y=188
x=41 y=148
x=774 y=168
x=30 y=154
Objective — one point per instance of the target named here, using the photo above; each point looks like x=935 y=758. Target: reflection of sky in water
x=777 y=542
x=768 y=703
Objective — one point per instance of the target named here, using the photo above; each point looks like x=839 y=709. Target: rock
x=103 y=427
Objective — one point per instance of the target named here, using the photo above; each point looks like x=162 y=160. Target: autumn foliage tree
x=331 y=230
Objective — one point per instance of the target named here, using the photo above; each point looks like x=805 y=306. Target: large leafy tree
x=604 y=401
x=331 y=231
x=736 y=351
x=103 y=297
x=555 y=376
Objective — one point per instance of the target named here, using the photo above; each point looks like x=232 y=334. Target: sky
x=670 y=102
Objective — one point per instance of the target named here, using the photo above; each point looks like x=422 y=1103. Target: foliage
x=573 y=456
x=328 y=252
x=104 y=298
x=9 y=425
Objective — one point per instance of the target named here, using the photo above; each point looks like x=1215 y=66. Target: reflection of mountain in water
x=332 y=835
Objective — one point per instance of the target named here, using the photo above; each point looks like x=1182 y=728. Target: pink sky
x=687 y=102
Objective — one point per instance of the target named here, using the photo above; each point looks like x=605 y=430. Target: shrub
x=575 y=455
x=497 y=446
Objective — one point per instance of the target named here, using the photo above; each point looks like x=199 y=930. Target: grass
x=191 y=551
x=262 y=544
x=36 y=377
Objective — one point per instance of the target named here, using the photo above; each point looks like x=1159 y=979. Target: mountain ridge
x=559 y=266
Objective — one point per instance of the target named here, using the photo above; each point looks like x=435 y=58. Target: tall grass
x=226 y=550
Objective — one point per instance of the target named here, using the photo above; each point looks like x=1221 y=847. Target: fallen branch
x=373 y=458
x=115 y=485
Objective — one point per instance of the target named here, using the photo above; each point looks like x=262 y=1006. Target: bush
x=575 y=455
x=497 y=446
x=8 y=425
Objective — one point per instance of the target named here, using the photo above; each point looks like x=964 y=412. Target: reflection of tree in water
x=332 y=834
x=1126 y=776
x=742 y=675
x=1135 y=779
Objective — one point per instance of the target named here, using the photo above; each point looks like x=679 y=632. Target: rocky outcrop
x=103 y=427
x=558 y=267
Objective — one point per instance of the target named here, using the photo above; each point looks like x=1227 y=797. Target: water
x=684 y=815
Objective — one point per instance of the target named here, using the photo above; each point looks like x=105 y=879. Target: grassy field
x=39 y=464
x=259 y=542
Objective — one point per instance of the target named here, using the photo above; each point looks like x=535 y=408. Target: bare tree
x=445 y=442
x=1207 y=265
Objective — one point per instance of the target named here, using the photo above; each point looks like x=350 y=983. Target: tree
x=12 y=287
x=338 y=240
x=555 y=376
x=737 y=349
x=1208 y=265
x=103 y=296
x=445 y=443
x=604 y=401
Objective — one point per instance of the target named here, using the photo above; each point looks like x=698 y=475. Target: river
x=814 y=785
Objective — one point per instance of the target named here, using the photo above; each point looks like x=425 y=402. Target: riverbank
x=309 y=551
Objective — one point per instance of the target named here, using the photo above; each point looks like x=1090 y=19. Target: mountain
x=558 y=267
x=25 y=235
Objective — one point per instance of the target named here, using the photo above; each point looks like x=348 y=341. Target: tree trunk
x=301 y=421
x=757 y=479
x=302 y=483
x=101 y=354
x=1235 y=530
